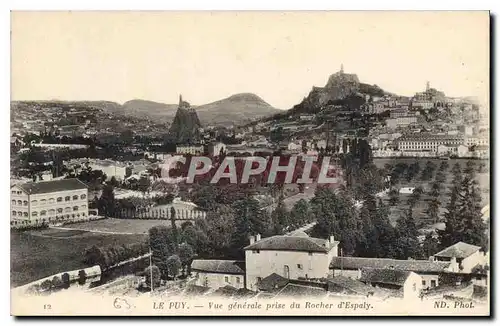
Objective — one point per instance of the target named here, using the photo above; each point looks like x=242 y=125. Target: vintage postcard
x=250 y=163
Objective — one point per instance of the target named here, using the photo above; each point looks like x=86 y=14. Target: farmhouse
x=404 y=283
x=465 y=256
x=428 y=270
x=219 y=273
x=291 y=256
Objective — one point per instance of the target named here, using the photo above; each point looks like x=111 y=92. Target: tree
x=430 y=246
x=407 y=245
x=335 y=215
x=433 y=209
x=220 y=229
x=393 y=197
x=46 y=285
x=57 y=282
x=469 y=213
x=280 y=217
x=175 y=233
x=96 y=256
x=300 y=214
x=107 y=201
x=186 y=255
x=174 y=265
x=249 y=220
x=158 y=241
x=156 y=276
x=144 y=185
x=113 y=182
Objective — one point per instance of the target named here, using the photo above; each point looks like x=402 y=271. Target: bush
x=46 y=285
x=156 y=276
x=57 y=282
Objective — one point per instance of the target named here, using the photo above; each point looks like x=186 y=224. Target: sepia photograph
x=250 y=163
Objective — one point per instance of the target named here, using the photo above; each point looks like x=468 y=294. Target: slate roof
x=299 y=234
x=272 y=282
x=45 y=187
x=292 y=243
x=458 y=250
x=218 y=266
x=422 y=266
x=301 y=291
x=194 y=290
x=384 y=276
x=352 y=285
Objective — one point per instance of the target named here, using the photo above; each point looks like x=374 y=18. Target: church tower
x=180 y=99
x=427 y=86
x=341 y=68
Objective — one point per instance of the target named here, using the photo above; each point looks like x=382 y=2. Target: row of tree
x=107 y=257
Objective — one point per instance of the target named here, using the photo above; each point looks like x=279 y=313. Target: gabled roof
x=272 y=282
x=458 y=250
x=422 y=266
x=292 y=243
x=218 y=266
x=45 y=187
x=384 y=276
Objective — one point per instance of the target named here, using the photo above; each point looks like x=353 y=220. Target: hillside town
x=405 y=215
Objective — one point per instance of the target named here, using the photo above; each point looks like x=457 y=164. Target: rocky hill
x=341 y=88
x=236 y=109
x=186 y=123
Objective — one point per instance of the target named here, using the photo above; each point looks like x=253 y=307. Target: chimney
x=332 y=239
x=257 y=237
x=327 y=244
x=454 y=265
x=252 y=239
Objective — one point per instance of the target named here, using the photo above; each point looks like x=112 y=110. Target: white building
x=307 y=117
x=190 y=149
x=429 y=271
x=294 y=146
x=48 y=201
x=218 y=273
x=291 y=256
x=460 y=150
x=408 y=284
x=465 y=256
x=401 y=121
x=427 y=142
x=184 y=210
x=110 y=168
x=214 y=149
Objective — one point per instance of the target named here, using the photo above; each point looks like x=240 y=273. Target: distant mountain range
x=236 y=109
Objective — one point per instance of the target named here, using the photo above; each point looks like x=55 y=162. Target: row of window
x=433 y=283
x=17 y=192
x=67 y=216
x=226 y=279
x=50 y=200
x=50 y=211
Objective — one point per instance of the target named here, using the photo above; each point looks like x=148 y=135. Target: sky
x=207 y=56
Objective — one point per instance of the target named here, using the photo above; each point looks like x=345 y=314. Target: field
x=37 y=254
x=421 y=207
x=120 y=226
